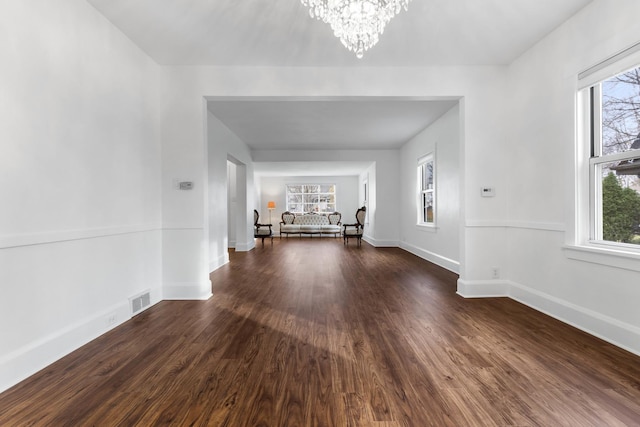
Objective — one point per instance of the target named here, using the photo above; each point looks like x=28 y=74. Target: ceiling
x=281 y=33
x=346 y=123
x=343 y=168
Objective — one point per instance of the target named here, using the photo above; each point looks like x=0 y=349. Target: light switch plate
x=487 y=192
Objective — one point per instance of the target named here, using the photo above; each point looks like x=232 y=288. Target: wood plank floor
x=311 y=333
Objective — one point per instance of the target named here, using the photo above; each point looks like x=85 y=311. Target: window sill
x=612 y=257
x=427 y=227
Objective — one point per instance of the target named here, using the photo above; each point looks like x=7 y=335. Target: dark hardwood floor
x=312 y=333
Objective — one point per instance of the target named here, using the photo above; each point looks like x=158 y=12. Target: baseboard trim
x=380 y=243
x=606 y=328
x=26 y=361
x=187 y=290
x=245 y=247
x=219 y=262
x=444 y=262
x=483 y=288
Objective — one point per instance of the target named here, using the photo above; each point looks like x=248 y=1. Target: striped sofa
x=310 y=223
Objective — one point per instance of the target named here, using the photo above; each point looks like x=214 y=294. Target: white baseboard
x=26 y=361
x=444 y=262
x=380 y=243
x=219 y=262
x=483 y=288
x=618 y=333
x=187 y=291
x=245 y=247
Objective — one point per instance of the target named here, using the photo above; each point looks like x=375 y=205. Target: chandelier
x=357 y=23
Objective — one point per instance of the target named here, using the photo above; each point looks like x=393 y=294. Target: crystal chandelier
x=357 y=23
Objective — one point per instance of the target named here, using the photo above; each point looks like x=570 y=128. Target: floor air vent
x=140 y=302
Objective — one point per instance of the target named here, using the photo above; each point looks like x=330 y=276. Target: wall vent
x=140 y=302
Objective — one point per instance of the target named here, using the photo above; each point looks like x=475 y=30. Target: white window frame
x=582 y=239
x=335 y=196
x=422 y=192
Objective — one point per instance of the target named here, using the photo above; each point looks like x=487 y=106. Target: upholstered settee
x=310 y=223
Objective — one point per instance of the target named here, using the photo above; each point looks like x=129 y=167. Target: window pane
x=308 y=188
x=620 y=201
x=294 y=188
x=311 y=198
x=429 y=175
x=327 y=188
x=427 y=204
x=621 y=112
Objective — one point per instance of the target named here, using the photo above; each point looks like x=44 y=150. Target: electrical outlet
x=112 y=319
x=495 y=273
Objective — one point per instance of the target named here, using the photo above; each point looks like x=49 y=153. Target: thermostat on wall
x=186 y=185
x=487 y=191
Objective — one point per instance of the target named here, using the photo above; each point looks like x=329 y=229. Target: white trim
x=483 y=288
x=530 y=225
x=614 y=331
x=187 y=290
x=608 y=256
x=609 y=67
x=426 y=227
x=246 y=247
x=48 y=237
x=380 y=243
x=442 y=261
x=618 y=333
x=217 y=263
x=29 y=359
x=181 y=226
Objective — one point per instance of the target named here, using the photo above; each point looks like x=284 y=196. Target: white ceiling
x=347 y=124
x=281 y=33
x=309 y=168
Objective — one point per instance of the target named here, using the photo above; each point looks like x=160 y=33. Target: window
x=612 y=133
x=319 y=198
x=426 y=190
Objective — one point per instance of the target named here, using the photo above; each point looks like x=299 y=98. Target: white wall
x=79 y=172
x=383 y=226
x=232 y=204
x=224 y=146
x=440 y=244
x=481 y=90
x=542 y=83
x=274 y=188
x=80 y=160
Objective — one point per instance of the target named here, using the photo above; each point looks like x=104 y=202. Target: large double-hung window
x=611 y=143
x=426 y=190
x=304 y=198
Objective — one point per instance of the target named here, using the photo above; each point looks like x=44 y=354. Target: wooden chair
x=355 y=230
x=261 y=231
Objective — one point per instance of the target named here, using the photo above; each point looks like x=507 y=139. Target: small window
x=613 y=107
x=426 y=191
x=305 y=198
